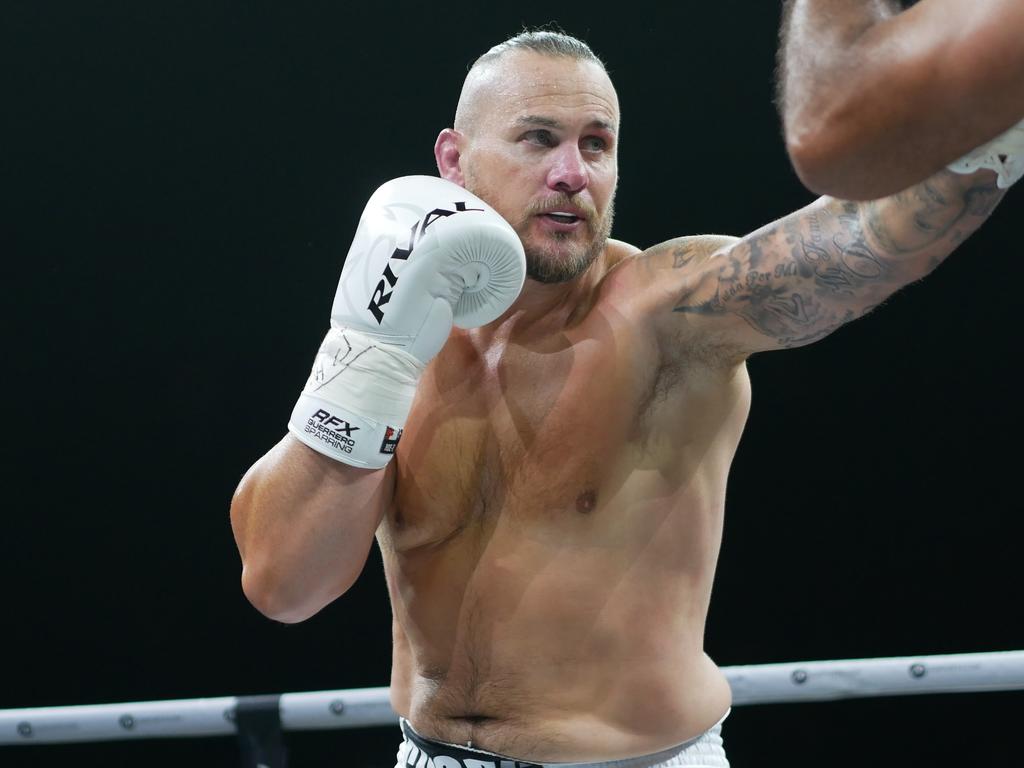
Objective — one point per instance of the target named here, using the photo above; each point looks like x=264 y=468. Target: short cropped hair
x=550 y=42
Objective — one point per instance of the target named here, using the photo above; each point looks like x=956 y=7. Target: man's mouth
x=562 y=218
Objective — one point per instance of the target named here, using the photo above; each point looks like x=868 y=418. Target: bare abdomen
x=571 y=648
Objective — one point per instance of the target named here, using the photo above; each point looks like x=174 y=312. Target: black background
x=181 y=181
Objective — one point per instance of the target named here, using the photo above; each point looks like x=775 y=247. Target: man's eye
x=544 y=138
x=594 y=144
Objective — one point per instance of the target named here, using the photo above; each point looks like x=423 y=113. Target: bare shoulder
x=684 y=252
x=688 y=251
x=641 y=274
x=645 y=286
x=617 y=251
x=606 y=276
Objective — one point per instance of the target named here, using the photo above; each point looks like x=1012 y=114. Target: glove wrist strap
x=357 y=399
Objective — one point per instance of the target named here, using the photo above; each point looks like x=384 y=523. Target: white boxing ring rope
x=356 y=708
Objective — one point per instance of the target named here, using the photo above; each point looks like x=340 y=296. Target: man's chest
x=539 y=433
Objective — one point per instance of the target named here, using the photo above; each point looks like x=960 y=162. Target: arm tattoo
x=682 y=255
x=801 y=278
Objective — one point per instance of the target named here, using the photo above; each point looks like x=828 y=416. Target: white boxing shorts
x=415 y=751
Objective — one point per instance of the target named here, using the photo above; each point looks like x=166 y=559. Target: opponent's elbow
x=812 y=138
x=830 y=161
x=810 y=160
x=824 y=155
x=835 y=129
x=863 y=141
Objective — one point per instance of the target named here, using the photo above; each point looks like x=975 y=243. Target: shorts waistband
x=417 y=751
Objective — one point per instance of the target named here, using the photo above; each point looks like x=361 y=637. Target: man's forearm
x=798 y=279
x=873 y=101
x=851 y=256
x=920 y=226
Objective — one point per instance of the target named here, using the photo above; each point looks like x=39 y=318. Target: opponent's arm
x=798 y=279
x=866 y=92
x=427 y=255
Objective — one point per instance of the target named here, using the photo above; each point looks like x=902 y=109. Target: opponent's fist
x=427 y=253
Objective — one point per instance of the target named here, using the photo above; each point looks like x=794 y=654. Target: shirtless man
x=551 y=520
x=874 y=100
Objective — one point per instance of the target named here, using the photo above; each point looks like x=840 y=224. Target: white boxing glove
x=1004 y=155
x=427 y=253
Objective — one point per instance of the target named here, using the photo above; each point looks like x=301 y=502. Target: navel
x=586 y=502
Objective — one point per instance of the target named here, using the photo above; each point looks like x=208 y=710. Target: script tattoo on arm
x=802 y=277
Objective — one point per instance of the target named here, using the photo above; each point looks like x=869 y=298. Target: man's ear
x=448 y=154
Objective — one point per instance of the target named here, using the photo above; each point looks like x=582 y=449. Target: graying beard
x=550 y=272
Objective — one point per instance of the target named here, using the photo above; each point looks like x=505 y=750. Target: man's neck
x=544 y=309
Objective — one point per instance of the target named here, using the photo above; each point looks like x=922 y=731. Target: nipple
x=586 y=502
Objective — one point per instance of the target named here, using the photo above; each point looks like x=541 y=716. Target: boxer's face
x=540 y=146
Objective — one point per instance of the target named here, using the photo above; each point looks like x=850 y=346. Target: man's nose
x=568 y=172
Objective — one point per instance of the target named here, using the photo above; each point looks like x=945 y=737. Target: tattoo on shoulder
x=682 y=255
